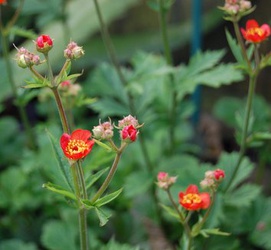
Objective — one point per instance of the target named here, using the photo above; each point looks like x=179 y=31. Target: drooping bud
x=73 y=51
x=44 y=43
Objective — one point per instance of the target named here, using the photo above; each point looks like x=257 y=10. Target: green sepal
x=37 y=83
x=90 y=180
x=58 y=189
x=214 y=231
x=170 y=211
x=62 y=76
x=103 y=145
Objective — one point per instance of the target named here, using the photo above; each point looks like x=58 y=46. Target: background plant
x=150 y=85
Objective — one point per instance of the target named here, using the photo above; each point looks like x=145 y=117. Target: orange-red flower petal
x=3 y=2
x=192 y=200
x=77 y=145
x=255 y=33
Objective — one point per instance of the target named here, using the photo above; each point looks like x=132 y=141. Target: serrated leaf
x=170 y=211
x=243 y=196
x=228 y=163
x=108 y=198
x=59 y=190
x=33 y=86
x=103 y=217
x=214 y=231
x=63 y=164
x=91 y=179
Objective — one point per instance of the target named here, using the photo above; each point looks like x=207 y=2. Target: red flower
x=3 y=2
x=129 y=133
x=44 y=43
x=77 y=145
x=255 y=33
x=193 y=200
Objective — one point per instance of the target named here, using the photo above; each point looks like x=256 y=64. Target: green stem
x=182 y=219
x=163 y=25
x=61 y=111
x=82 y=210
x=110 y=174
x=50 y=71
x=241 y=41
x=251 y=90
x=168 y=56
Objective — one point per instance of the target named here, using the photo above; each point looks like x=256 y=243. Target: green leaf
x=103 y=217
x=92 y=178
x=21 y=32
x=59 y=235
x=63 y=164
x=235 y=48
x=33 y=86
x=243 y=196
x=170 y=211
x=228 y=162
x=58 y=189
x=103 y=145
x=108 y=198
x=213 y=231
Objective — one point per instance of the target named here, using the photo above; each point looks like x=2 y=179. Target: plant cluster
x=109 y=183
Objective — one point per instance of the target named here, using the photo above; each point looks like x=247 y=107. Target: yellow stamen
x=191 y=198
x=76 y=146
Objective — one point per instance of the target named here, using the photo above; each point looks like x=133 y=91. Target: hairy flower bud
x=103 y=131
x=73 y=51
x=26 y=59
x=44 y=43
x=165 y=181
x=212 y=178
x=128 y=120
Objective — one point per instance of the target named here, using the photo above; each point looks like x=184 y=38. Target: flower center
x=256 y=31
x=191 y=199
x=76 y=146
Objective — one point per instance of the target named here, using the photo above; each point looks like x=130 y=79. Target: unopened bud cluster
x=103 y=131
x=165 y=181
x=26 y=59
x=73 y=51
x=233 y=7
x=212 y=178
x=128 y=129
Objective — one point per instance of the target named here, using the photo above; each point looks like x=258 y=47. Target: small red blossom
x=255 y=33
x=129 y=133
x=219 y=174
x=77 y=145
x=44 y=43
x=3 y=2
x=193 y=200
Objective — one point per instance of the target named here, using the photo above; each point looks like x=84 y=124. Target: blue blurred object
x=195 y=46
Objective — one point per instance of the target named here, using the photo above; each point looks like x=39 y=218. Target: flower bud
x=44 y=43
x=219 y=174
x=73 y=51
x=129 y=133
x=165 y=181
x=26 y=59
x=128 y=120
x=103 y=131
